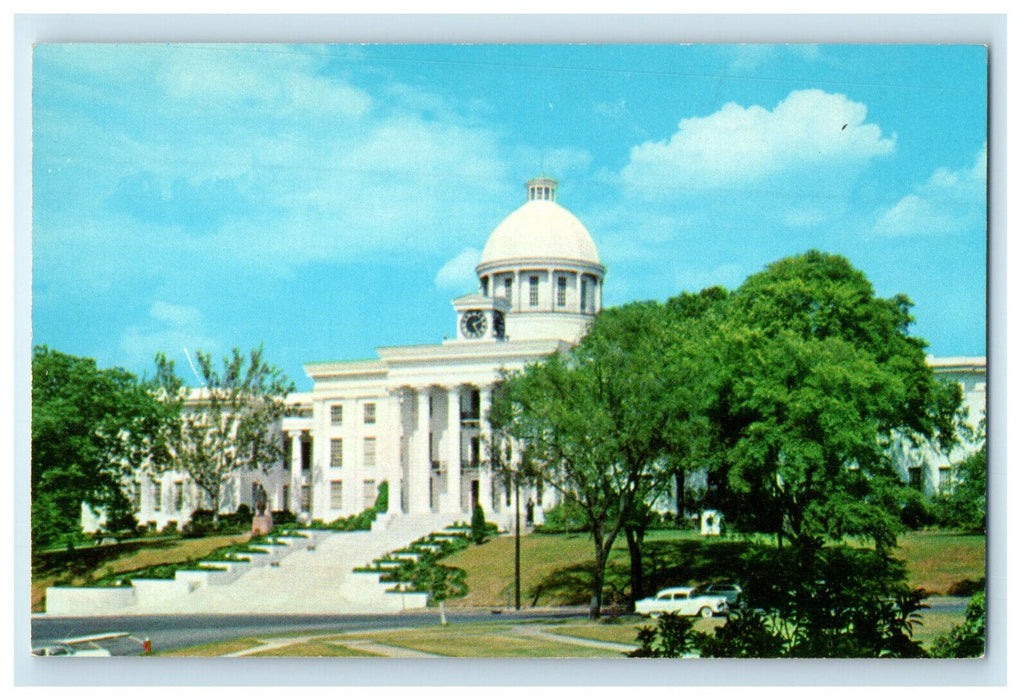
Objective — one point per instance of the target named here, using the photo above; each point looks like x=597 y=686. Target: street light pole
x=517 y=545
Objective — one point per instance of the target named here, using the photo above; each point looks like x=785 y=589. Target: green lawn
x=556 y=569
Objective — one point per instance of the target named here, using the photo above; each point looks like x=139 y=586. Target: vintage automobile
x=732 y=592
x=682 y=600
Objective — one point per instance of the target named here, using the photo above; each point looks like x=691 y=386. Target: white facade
x=415 y=416
x=927 y=468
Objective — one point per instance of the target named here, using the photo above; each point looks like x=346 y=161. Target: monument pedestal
x=262 y=524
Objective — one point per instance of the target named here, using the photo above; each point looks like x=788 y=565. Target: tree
x=227 y=425
x=587 y=425
x=815 y=376
x=91 y=430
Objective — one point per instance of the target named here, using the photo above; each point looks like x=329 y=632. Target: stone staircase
x=315 y=580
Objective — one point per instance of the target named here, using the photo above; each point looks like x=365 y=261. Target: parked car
x=67 y=650
x=683 y=601
x=731 y=591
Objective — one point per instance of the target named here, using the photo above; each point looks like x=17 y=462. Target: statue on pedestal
x=262 y=522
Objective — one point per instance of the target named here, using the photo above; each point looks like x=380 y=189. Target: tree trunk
x=596 y=602
x=680 y=495
x=634 y=536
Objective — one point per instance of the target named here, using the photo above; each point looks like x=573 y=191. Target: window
x=335 y=457
x=336 y=495
x=137 y=495
x=945 y=479
x=508 y=289
x=336 y=411
x=562 y=291
x=369 y=452
x=305 y=498
x=533 y=290
x=914 y=478
x=179 y=495
x=369 y=414
x=286 y=505
x=158 y=495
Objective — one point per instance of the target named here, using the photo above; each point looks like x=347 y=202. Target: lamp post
x=517 y=545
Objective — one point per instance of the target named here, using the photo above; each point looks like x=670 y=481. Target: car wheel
x=706 y=612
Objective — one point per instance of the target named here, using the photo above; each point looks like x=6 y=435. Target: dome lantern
x=542 y=188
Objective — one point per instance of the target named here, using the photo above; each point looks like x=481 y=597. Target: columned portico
x=420 y=454
x=450 y=503
x=485 y=476
x=394 y=453
x=295 y=469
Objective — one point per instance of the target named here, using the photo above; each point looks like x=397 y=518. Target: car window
x=664 y=596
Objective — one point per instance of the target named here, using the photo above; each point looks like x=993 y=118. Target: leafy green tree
x=814 y=377
x=227 y=425
x=586 y=423
x=91 y=430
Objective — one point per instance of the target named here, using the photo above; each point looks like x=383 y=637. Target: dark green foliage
x=673 y=638
x=478 y=525
x=825 y=602
x=916 y=513
x=427 y=575
x=966 y=640
x=813 y=375
x=91 y=429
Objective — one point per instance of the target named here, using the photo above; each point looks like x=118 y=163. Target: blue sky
x=327 y=199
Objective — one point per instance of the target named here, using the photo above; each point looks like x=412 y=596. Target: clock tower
x=480 y=318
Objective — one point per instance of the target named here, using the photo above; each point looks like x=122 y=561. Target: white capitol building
x=415 y=416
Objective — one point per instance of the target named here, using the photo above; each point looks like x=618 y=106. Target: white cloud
x=459 y=271
x=808 y=131
x=948 y=202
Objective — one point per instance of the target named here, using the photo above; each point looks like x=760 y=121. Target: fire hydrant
x=146 y=647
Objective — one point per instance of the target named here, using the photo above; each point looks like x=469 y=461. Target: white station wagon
x=683 y=601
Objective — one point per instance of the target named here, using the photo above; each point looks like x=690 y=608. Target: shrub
x=966 y=640
x=478 y=526
x=915 y=514
x=283 y=517
x=564 y=517
x=171 y=528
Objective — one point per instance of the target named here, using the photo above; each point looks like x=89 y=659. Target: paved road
x=167 y=632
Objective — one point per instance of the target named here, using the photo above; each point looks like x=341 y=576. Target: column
x=453 y=450
x=420 y=464
x=295 y=471
x=392 y=436
x=485 y=474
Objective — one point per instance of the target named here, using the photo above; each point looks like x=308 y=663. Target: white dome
x=540 y=229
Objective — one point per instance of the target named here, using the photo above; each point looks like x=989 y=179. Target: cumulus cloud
x=948 y=202
x=459 y=271
x=809 y=131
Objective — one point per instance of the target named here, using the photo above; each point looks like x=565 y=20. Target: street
x=168 y=632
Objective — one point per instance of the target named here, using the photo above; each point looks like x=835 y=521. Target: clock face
x=498 y=324
x=472 y=324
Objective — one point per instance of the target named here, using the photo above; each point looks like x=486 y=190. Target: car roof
x=676 y=589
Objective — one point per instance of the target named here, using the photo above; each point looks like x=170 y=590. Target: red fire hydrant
x=146 y=647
